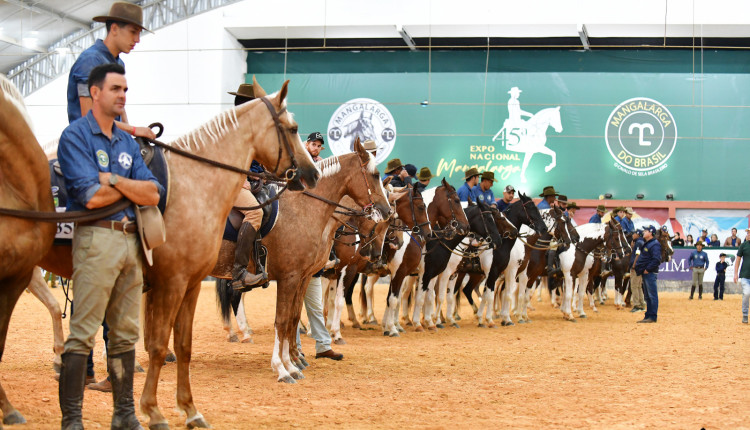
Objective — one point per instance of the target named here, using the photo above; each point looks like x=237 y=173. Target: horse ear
x=364 y=156
x=283 y=92
x=258 y=91
x=470 y=201
x=387 y=180
x=445 y=184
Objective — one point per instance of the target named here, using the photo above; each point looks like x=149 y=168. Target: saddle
x=470 y=265
x=270 y=214
x=152 y=156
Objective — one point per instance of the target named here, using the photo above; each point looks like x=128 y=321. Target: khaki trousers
x=698 y=276
x=246 y=199
x=636 y=291
x=107 y=279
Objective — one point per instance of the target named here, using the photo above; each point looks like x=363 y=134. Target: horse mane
x=11 y=94
x=328 y=166
x=210 y=132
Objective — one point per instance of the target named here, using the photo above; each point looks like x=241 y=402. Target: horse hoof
x=409 y=324
x=582 y=316
x=454 y=325
x=288 y=379
x=386 y=333
x=14 y=418
x=482 y=325
x=304 y=362
x=521 y=322
x=297 y=375
x=356 y=325
x=247 y=340
x=160 y=426
x=170 y=358
x=571 y=319
x=458 y=318
x=491 y=325
x=432 y=329
x=440 y=325
x=395 y=334
x=419 y=329
x=200 y=423
x=57 y=367
x=234 y=338
x=139 y=368
x=401 y=330
x=339 y=341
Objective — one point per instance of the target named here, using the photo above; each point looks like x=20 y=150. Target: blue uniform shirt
x=627 y=226
x=464 y=192
x=486 y=197
x=84 y=151
x=637 y=245
x=596 y=219
x=544 y=204
x=650 y=257
x=78 y=79
x=698 y=259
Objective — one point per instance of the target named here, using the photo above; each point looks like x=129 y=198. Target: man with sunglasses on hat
x=465 y=191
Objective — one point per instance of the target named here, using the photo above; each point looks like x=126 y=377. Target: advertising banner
x=679 y=270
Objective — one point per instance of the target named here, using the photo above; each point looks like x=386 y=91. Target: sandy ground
x=690 y=370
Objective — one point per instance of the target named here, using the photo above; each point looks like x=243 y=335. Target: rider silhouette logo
x=528 y=136
x=641 y=134
x=366 y=119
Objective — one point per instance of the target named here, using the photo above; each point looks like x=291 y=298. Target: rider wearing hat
x=395 y=169
x=548 y=198
x=370 y=146
x=508 y=194
x=423 y=178
x=626 y=222
x=572 y=208
x=483 y=191
x=471 y=176
x=597 y=217
x=248 y=234
x=314 y=145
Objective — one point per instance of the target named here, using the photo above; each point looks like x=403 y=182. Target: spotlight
x=425 y=103
x=639 y=196
x=670 y=196
x=608 y=195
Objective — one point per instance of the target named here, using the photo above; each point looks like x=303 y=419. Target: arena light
x=670 y=196
x=607 y=195
x=584 y=35
x=407 y=39
x=639 y=196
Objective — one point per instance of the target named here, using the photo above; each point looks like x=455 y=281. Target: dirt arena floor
x=689 y=371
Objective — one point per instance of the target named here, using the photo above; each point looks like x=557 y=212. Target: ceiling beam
x=44 y=10
x=12 y=41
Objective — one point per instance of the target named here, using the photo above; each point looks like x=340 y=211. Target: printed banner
x=679 y=270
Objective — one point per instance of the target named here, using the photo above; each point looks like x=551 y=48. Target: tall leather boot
x=121 y=368
x=245 y=245
x=700 y=292
x=692 y=291
x=72 y=382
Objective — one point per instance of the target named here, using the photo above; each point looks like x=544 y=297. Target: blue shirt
x=486 y=197
x=544 y=204
x=84 y=151
x=595 y=218
x=637 y=245
x=464 y=192
x=627 y=226
x=396 y=181
x=502 y=205
x=650 y=257
x=78 y=79
x=698 y=259
x=721 y=268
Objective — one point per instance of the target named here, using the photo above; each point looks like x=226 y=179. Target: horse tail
x=225 y=297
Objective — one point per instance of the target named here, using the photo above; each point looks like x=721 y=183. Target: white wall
x=178 y=76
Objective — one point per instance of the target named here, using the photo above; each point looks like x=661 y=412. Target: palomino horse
x=24 y=185
x=199 y=200
x=300 y=244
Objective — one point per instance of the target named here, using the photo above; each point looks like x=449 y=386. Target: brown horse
x=300 y=244
x=24 y=185
x=199 y=199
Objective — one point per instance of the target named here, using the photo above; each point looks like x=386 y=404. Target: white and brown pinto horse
x=200 y=196
x=24 y=185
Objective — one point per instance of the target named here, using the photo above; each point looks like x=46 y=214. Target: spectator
x=742 y=273
x=698 y=263
x=597 y=217
x=572 y=208
x=689 y=240
x=721 y=268
x=678 y=241
x=733 y=241
x=508 y=193
x=704 y=237
x=714 y=241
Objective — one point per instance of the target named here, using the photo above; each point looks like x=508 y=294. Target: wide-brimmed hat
x=470 y=173
x=245 y=90
x=562 y=198
x=369 y=145
x=124 y=12
x=425 y=174
x=548 y=191
x=490 y=176
x=601 y=208
x=393 y=165
x=618 y=209
x=572 y=205
x=629 y=210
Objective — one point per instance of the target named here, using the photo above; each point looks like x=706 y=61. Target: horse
x=300 y=243
x=200 y=196
x=535 y=139
x=24 y=185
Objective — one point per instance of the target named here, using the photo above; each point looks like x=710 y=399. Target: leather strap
x=125 y=227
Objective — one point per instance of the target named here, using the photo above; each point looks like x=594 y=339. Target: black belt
x=125 y=227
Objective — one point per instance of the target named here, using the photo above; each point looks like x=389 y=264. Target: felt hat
x=124 y=12
x=601 y=208
x=573 y=205
x=393 y=165
x=562 y=198
x=425 y=174
x=471 y=173
x=548 y=191
x=370 y=145
x=245 y=90
x=490 y=176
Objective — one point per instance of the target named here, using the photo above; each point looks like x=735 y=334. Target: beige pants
x=636 y=291
x=107 y=278
x=244 y=200
x=698 y=276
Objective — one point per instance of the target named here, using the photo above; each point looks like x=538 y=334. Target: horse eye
x=294 y=130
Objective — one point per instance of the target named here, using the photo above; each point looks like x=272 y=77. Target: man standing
x=508 y=193
x=597 y=217
x=733 y=241
x=721 y=271
x=698 y=263
x=314 y=145
x=101 y=165
x=647 y=267
x=636 y=283
x=549 y=196
x=423 y=178
x=483 y=191
x=465 y=192
x=742 y=272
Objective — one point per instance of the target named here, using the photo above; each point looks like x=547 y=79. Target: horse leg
x=338 y=307
x=566 y=306
x=10 y=414
x=348 y=292
x=242 y=324
x=369 y=288
x=39 y=289
x=329 y=300
x=524 y=294
x=442 y=290
x=183 y=347
x=419 y=304
x=288 y=306
x=582 y=282
x=428 y=306
x=451 y=299
x=406 y=298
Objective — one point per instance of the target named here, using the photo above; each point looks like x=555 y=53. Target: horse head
x=410 y=208
x=506 y=229
x=281 y=150
x=559 y=228
x=446 y=212
x=483 y=223
x=524 y=211
x=372 y=237
x=368 y=192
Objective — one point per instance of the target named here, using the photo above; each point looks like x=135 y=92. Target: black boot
x=700 y=292
x=240 y=276
x=692 y=291
x=72 y=382
x=121 y=368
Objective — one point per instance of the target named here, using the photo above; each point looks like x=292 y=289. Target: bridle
x=417 y=227
x=449 y=231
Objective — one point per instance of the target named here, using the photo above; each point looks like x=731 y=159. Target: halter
x=291 y=172
x=450 y=230
x=417 y=227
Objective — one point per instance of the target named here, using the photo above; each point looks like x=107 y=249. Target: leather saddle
x=270 y=213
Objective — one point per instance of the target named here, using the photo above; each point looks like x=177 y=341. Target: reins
x=72 y=216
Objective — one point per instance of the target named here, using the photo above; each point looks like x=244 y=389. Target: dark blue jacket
x=650 y=258
x=637 y=245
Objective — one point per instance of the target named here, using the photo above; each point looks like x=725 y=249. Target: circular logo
x=125 y=160
x=102 y=158
x=641 y=135
x=366 y=119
